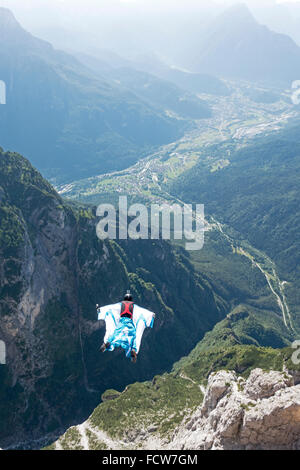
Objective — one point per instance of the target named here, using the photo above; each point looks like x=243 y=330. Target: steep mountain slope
x=237 y=46
x=283 y=18
x=106 y=64
x=162 y=93
x=69 y=122
x=53 y=271
x=194 y=82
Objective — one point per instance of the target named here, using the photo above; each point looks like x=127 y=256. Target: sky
x=41 y=8
x=47 y=12
x=128 y=26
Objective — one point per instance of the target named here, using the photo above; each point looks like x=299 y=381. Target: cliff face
x=260 y=413
x=53 y=271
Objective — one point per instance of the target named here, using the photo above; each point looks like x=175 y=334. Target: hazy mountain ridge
x=106 y=62
x=64 y=118
x=235 y=45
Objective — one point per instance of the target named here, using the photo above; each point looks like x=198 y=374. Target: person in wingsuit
x=125 y=324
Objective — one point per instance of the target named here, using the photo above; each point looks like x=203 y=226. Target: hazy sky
x=121 y=25
x=47 y=10
x=51 y=12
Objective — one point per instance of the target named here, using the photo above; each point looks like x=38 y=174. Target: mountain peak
x=11 y=32
x=239 y=14
x=13 y=35
x=236 y=45
x=7 y=19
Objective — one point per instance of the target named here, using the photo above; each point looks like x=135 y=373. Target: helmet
x=128 y=296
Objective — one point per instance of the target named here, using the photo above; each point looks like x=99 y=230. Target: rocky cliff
x=260 y=413
x=255 y=409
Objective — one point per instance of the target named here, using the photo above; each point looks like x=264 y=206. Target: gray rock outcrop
x=262 y=412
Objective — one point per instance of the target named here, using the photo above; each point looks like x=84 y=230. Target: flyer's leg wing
x=140 y=328
x=110 y=323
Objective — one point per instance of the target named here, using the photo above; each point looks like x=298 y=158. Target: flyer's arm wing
x=142 y=314
x=142 y=319
x=111 y=315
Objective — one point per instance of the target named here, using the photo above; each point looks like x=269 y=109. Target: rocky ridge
x=261 y=412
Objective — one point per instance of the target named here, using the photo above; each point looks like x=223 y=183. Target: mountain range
x=106 y=63
x=67 y=120
x=235 y=45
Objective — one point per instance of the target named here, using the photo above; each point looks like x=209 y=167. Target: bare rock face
x=218 y=385
x=262 y=412
x=261 y=385
x=274 y=423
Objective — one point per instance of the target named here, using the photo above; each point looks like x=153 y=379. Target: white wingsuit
x=141 y=319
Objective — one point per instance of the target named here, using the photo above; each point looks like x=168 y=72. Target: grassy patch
x=71 y=440
x=161 y=404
